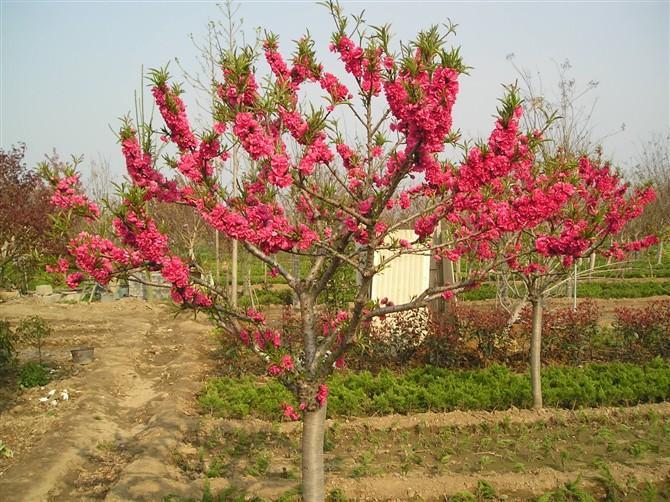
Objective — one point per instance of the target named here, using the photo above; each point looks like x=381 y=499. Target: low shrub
x=395 y=338
x=267 y=296
x=622 y=289
x=566 y=333
x=485 y=291
x=471 y=337
x=7 y=351
x=644 y=332
x=33 y=375
x=438 y=389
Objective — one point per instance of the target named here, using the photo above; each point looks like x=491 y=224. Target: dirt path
x=127 y=410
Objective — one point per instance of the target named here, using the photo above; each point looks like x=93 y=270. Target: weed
x=5 y=451
x=638 y=448
x=292 y=495
x=364 y=463
x=408 y=458
x=260 y=466
x=484 y=460
x=216 y=468
x=570 y=492
x=106 y=446
x=613 y=491
x=485 y=491
x=462 y=497
x=337 y=495
x=231 y=494
x=649 y=493
x=33 y=375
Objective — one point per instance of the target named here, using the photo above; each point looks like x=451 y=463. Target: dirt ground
x=126 y=411
x=131 y=430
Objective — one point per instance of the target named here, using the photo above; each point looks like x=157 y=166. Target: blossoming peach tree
x=578 y=206
x=309 y=192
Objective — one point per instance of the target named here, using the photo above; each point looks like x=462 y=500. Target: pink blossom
x=67 y=195
x=338 y=91
x=322 y=395
x=73 y=280
x=173 y=110
x=290 y=413
x=61 y=267
x=286 y=363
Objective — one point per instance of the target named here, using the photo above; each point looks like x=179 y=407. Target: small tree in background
x=594 y=206
x=349 y=197
x=570 y=101
x=33 y=330
x=653 y=166
x=24 y=220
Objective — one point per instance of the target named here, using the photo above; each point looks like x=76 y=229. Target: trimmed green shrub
x=438 y=389
x=594 y=289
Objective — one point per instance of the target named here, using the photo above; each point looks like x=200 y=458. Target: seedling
x=485 y=491
x=34 y=330
x=363 y=467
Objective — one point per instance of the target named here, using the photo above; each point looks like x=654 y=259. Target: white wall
x=405 y=277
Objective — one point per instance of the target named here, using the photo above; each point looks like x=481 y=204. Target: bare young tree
x=653 y=166
x=571 y=105
x=100 y=180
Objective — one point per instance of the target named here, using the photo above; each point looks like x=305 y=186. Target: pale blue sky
x=69 y=69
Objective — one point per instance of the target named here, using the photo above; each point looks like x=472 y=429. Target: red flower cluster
x=141 y=171
x=67 y=195
x=173 y=111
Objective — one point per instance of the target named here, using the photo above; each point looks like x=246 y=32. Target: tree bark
x=535 y=353
x=312 y=455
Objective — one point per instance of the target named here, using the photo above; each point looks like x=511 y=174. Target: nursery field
x=138 y=426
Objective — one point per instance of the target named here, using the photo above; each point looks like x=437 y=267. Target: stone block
x=44 y=290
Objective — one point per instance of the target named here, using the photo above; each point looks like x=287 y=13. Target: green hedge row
x=437 y=389
x=605 y=289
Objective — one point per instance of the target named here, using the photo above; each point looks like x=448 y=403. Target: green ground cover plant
x=438 y=389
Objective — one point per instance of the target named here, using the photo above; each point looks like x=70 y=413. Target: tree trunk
x=659 y=253
x=535 y=353
x=312 y=455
